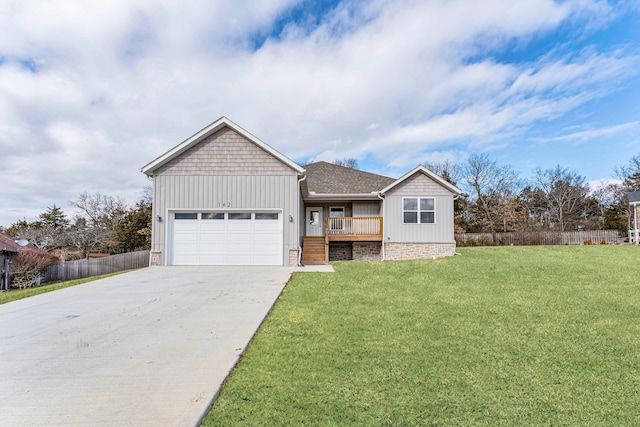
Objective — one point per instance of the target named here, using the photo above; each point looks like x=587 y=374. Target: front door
x=315 y=223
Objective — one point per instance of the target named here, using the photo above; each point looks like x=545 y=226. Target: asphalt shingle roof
x=8 y=243
x=327 y=178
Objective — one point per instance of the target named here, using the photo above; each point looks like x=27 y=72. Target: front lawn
x=496 y=337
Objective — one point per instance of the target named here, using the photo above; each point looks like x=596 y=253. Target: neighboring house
x=224 y=197
x=8 y=249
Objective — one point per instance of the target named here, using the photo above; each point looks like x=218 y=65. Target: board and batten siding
x=224 y=172
x=366 y=209
x=419 y=185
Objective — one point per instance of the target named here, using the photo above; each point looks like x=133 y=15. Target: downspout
x=299 y=224
x=454 y=239
x=383 y=221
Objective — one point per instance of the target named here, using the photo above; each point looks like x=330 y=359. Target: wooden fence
x=527 y=238
x=70 y=270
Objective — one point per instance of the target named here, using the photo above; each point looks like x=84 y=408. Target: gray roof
x=634 y=197
x=327 y=178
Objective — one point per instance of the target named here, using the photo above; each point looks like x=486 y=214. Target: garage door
x=226 y=238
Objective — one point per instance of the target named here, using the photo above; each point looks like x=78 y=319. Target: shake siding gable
x=225 y=153
x=419 y=185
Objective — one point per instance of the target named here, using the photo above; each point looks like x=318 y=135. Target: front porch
x=315 y=249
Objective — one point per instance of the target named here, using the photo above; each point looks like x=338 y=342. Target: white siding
x=366 y=209
x=419 y=185
x=225 y=193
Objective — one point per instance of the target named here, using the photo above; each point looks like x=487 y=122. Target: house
x=8 y=249
x=224 y=197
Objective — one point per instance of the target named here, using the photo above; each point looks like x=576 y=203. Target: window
x=337 y=212
x=239 y=215
x=186 y=215
x=419 y=210
x=213 y=215
x=314 y=218
x=266 y=215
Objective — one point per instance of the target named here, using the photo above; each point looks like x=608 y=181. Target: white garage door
x=226 y=238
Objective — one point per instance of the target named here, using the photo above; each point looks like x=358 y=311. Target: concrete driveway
x=146 y=348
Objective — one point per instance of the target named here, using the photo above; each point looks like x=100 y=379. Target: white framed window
x=418 y=210
x=213 y=215
x=234 y=216
x=259 y=216
x=336 y=212
x=186 y=215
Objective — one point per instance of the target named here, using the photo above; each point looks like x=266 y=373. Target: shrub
x=28 y=265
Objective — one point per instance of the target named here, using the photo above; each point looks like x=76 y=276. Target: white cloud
x=120 y=82
x=590 y=134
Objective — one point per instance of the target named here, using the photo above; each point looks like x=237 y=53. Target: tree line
x=497 y=199
x=103 y=224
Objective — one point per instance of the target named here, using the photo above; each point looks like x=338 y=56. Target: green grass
x=516 y=336
x=16 y=294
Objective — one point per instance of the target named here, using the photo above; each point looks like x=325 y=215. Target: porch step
x=313 y=250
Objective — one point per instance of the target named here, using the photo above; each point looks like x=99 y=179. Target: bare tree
x=491 y=186
x=613 y=201
x=447 y=170
x=28 y=265
x=147 y=195
x=564 y=191
x=347 y=162
x=97 y=224
x=629 y=174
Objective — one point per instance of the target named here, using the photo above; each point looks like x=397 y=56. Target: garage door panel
x=185 y=257
x=215 y=239
x=211 y=259
x=238 y=259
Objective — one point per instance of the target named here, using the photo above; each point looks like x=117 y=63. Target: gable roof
x=8 y=243
x=324 y=179
x=421 y=169
x=222 y=122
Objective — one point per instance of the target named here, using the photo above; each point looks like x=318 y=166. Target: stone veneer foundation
x=293 y=257
x=408 y=251
x=367 y=251
x=155 y=258
x=340 y=252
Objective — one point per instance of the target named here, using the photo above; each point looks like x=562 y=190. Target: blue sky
x=91 y=92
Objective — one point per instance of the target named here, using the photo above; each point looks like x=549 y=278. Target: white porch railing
x=354 y=226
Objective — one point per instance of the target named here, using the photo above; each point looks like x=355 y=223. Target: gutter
x=381 y=197
x=326 y=196
x=299 y=216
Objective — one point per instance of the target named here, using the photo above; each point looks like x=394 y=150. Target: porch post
x=326 y=240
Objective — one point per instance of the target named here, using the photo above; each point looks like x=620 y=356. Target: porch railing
x=354 y=227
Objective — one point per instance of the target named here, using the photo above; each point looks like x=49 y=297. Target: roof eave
x=327 y=196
